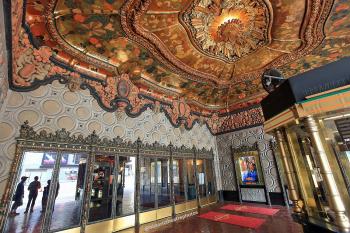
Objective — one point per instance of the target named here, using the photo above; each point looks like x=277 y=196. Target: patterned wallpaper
x=53 y=107
x=246 y=137
x=3 y=58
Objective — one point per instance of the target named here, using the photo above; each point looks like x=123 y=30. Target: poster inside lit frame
x=248 y=168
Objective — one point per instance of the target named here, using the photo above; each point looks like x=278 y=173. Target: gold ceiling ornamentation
x=228 y=29
x=99 y=42
x=160 y=28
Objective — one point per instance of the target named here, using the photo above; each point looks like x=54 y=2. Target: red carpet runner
x=250 y=209
x=233 y=219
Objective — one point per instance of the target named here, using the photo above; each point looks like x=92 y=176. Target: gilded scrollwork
x=41 y=53
x=228 y=29
x=33 y=65
x=63 y=140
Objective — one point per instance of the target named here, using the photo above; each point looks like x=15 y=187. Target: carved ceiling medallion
x=228 y=29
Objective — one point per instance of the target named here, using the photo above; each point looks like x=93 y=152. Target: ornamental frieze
x=129 y=54
x=211 y=53
x=37 y=66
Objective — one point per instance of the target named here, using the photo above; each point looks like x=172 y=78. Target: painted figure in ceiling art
x=198 y=61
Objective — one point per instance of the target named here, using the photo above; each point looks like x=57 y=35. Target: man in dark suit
x=33 y=188
x=18 y=196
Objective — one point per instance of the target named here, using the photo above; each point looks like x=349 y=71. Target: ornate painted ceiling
x=196 y=60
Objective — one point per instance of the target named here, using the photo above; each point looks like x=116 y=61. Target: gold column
x=335 y=201
x=297 y=169
x=297 y=203
x=6 y=200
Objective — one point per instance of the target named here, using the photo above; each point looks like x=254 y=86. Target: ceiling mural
x=335 y=46
x=198 y=61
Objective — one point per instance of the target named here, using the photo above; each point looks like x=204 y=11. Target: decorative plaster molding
x=228 y=30
x=312 y=34
x=36 y=66
x=53 y=107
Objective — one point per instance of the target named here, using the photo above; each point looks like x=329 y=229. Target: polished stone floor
x=65 y=215
x=281 y=222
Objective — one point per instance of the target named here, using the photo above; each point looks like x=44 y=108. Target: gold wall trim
x=126 y=224
x=164 y=212
x=283 y=118
x=212 y=199
x=72 y=230
x=149 y=216
x=327 y=103
x=203 y=201
x=100 y=227
x=190 y=205
x=180 y=208
x=122 y=223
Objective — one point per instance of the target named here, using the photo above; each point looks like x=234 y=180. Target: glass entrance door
x=49 y=193
x=163 y=182
x=147 y=184
x=102 y=188
x=201 y=181
x=313 y=187
x=26 y=209
x=125 y=186
x=67 y=192
x=179 y=183
x=191 y=182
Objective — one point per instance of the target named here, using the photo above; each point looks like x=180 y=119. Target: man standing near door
x=33 y=188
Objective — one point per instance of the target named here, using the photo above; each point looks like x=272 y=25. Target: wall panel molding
x=246 y=137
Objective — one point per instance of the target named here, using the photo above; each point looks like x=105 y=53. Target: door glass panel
x=147 y=192
x=209 y=172
x=102 y=188
x=201 y=178
x=35 y=164
x=179 y=186
x=125 y=186
x=69 y=191
x=163 y=182
x=191 y=187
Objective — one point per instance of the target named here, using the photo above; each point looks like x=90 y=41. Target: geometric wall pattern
x=53 y=107
x=247 y=137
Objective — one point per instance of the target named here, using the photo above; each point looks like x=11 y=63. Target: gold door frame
x=244 y=151
x=92 y=145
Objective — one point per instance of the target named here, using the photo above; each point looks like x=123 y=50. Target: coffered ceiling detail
x=195 y=60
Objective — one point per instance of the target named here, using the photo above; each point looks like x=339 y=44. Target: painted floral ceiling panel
x=204 y=56
x=211 y=52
